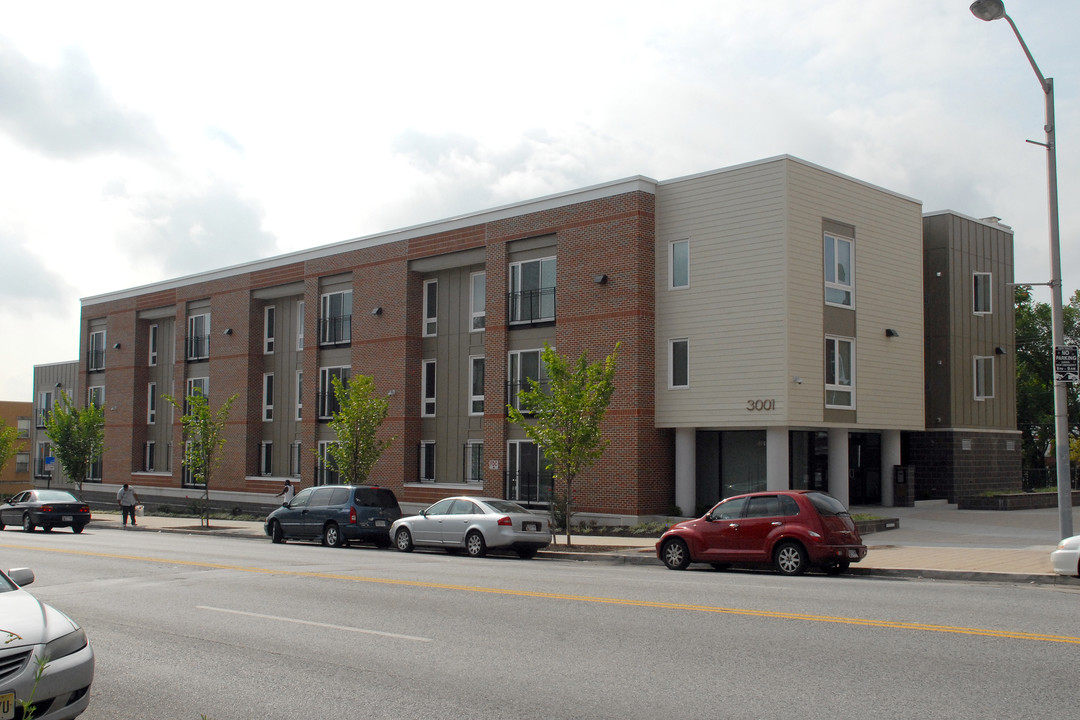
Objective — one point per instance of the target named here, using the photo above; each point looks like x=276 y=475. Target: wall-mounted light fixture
x=889 y=332
x=600 y=279
x=58 y=384
x=797 y=380
x=999 y=350
x=228 y=331
x=116 y=346
x=391 y=393
x=377 y=310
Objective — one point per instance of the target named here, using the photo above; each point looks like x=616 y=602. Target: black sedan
x=45 y=509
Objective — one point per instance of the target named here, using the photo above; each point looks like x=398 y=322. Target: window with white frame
x=198 y=337
x=427 y=461
x=476 y=385
x=153 y=343
x=839 y=372
x=296 y=459
x=839 y=275
x=478 y=301
x=151 y=403
x=95 y=359
x=679 y=363
x=266 y=458
x=22 y=463
x=335 y=318
x=95 y=396
x=431 y=308
x=200 y=385
x=327 y=400
x=679 y=264
x=149 y=456
x=427 y=386
x=474 y=461
x=300 y=325
x=982 y=304
x=984 y=377
x=268 y=396
x=326 y=472
x=532 y=291
x=299 y=394
x=523 y=366
x=269 y=314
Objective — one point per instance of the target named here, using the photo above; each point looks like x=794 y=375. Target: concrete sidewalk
x=934 y=540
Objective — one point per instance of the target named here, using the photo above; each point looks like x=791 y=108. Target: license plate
x=530 y=526
x=66 y=518
x=380 y=523
x=7 y=706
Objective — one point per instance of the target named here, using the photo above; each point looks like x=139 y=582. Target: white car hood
x=26 y=621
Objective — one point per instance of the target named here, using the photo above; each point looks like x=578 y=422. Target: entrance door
x=864 y=469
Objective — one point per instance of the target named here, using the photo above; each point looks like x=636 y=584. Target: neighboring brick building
x=16 y=473
x=733 y=294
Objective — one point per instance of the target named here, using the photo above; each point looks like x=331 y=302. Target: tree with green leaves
x=204 y=439
x=77 y=436
x=1035 y=374
x=9 y=443
x=360 y=414
x=564 y=420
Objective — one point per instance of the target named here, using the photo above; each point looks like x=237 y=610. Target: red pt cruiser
x=790 y=530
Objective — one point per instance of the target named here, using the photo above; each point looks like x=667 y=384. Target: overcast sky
x=143 y=141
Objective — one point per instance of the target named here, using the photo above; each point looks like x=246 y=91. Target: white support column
x=776 y=459
x=890 y=456
x=839 y=483
x=686 y=470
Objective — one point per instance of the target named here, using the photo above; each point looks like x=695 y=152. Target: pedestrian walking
x=286 y=493
x=127 y=498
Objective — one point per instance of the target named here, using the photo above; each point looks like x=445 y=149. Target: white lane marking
x=316 y=624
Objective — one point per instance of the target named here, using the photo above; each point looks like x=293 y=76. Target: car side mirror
x=21 y=576
x=423 y=513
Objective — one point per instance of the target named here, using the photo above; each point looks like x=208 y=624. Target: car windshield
x=55 y=496
x=505 y=506
x=827 y=504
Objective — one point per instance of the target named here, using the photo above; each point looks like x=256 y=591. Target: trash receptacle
x=903 y=486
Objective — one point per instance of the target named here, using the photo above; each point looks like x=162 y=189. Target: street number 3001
x=760 y=405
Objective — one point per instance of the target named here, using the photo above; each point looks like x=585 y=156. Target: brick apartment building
x=16 y=474
x=782 y=326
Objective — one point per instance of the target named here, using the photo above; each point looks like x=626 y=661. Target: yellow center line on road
x=744 y=612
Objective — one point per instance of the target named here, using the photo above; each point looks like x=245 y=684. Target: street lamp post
x=994 y=10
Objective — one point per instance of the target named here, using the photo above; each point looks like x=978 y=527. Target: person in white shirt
x=286 y=493
x=127 y=498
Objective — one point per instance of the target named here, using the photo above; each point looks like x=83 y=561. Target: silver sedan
x=1066 y=559
x=475 y=524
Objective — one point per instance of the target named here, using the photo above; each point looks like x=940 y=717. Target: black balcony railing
x=197 y=347
x=529 y=487
x=531 y=306
x=95 y=360
x=335 y=330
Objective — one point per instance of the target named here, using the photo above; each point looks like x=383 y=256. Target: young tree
x=9 y=444
x=204 y=439
x=361 y=412
x=567 y=416
x=77 y=436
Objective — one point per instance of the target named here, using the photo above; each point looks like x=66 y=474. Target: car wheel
x=837 y=568
x=527 y=553
x=332 y=536
x=675 y=554
x=475 y=545
x=77 y=528
x=403 y=540
x=27 y=526
x=276 y=535
x=790 y=558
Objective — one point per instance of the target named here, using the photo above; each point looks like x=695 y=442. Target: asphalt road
x=234 y=628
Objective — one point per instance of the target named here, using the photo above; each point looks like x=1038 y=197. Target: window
x=839 y=254
x=200 y=385
x=296 y=459
x=527 y=478
x=268 y=330
x=326 y=472
x=532 y=291
x=268 y=396
x=431 y=308
x=151 y=403
x=427 y=380
x=984 y=378
x=149 y=459
x=476 y=386
x=478 y=300
x=22 y=462
x=300 y=325
x=299 y=394
x=427 y=461
x=524 y=365
x=266 y=458
x=981 y=297
x=42 y=466
x=679 y=263
x=679 y=363
x=474 y=461
x=335 y=320
x=95 y=396
x=153 y=341
x=95 y=358
x=198 y=337
x=45 y=403
x=839 y=372
x=24 y=427
x=327 y=401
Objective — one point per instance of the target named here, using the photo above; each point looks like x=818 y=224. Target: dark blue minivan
x=336 y=515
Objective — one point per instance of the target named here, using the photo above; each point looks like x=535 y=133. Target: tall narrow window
x=266 y=458
x=95 y=396
x=299 y=394
x=268 y=329
x=981 y=294
x=431 y=308
x=839 y=280
x=532 y=291
x=149 y=459
x=478 y=300
x=474 y=461
x=523 y=366
x=151 y=403
x=95 y=358
x=476 y=385
x=153 y=341
x=427 y=379
x=300 y=325
x=198 y=337
x=427 y=461
x=326 y=472
x=327 y=400
x=839 y=372
x=984 y=378
x=268 y=396
x=196 y=385
x=296 y=459
x=335 y=320
x=680 y=264
x=679 y=363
